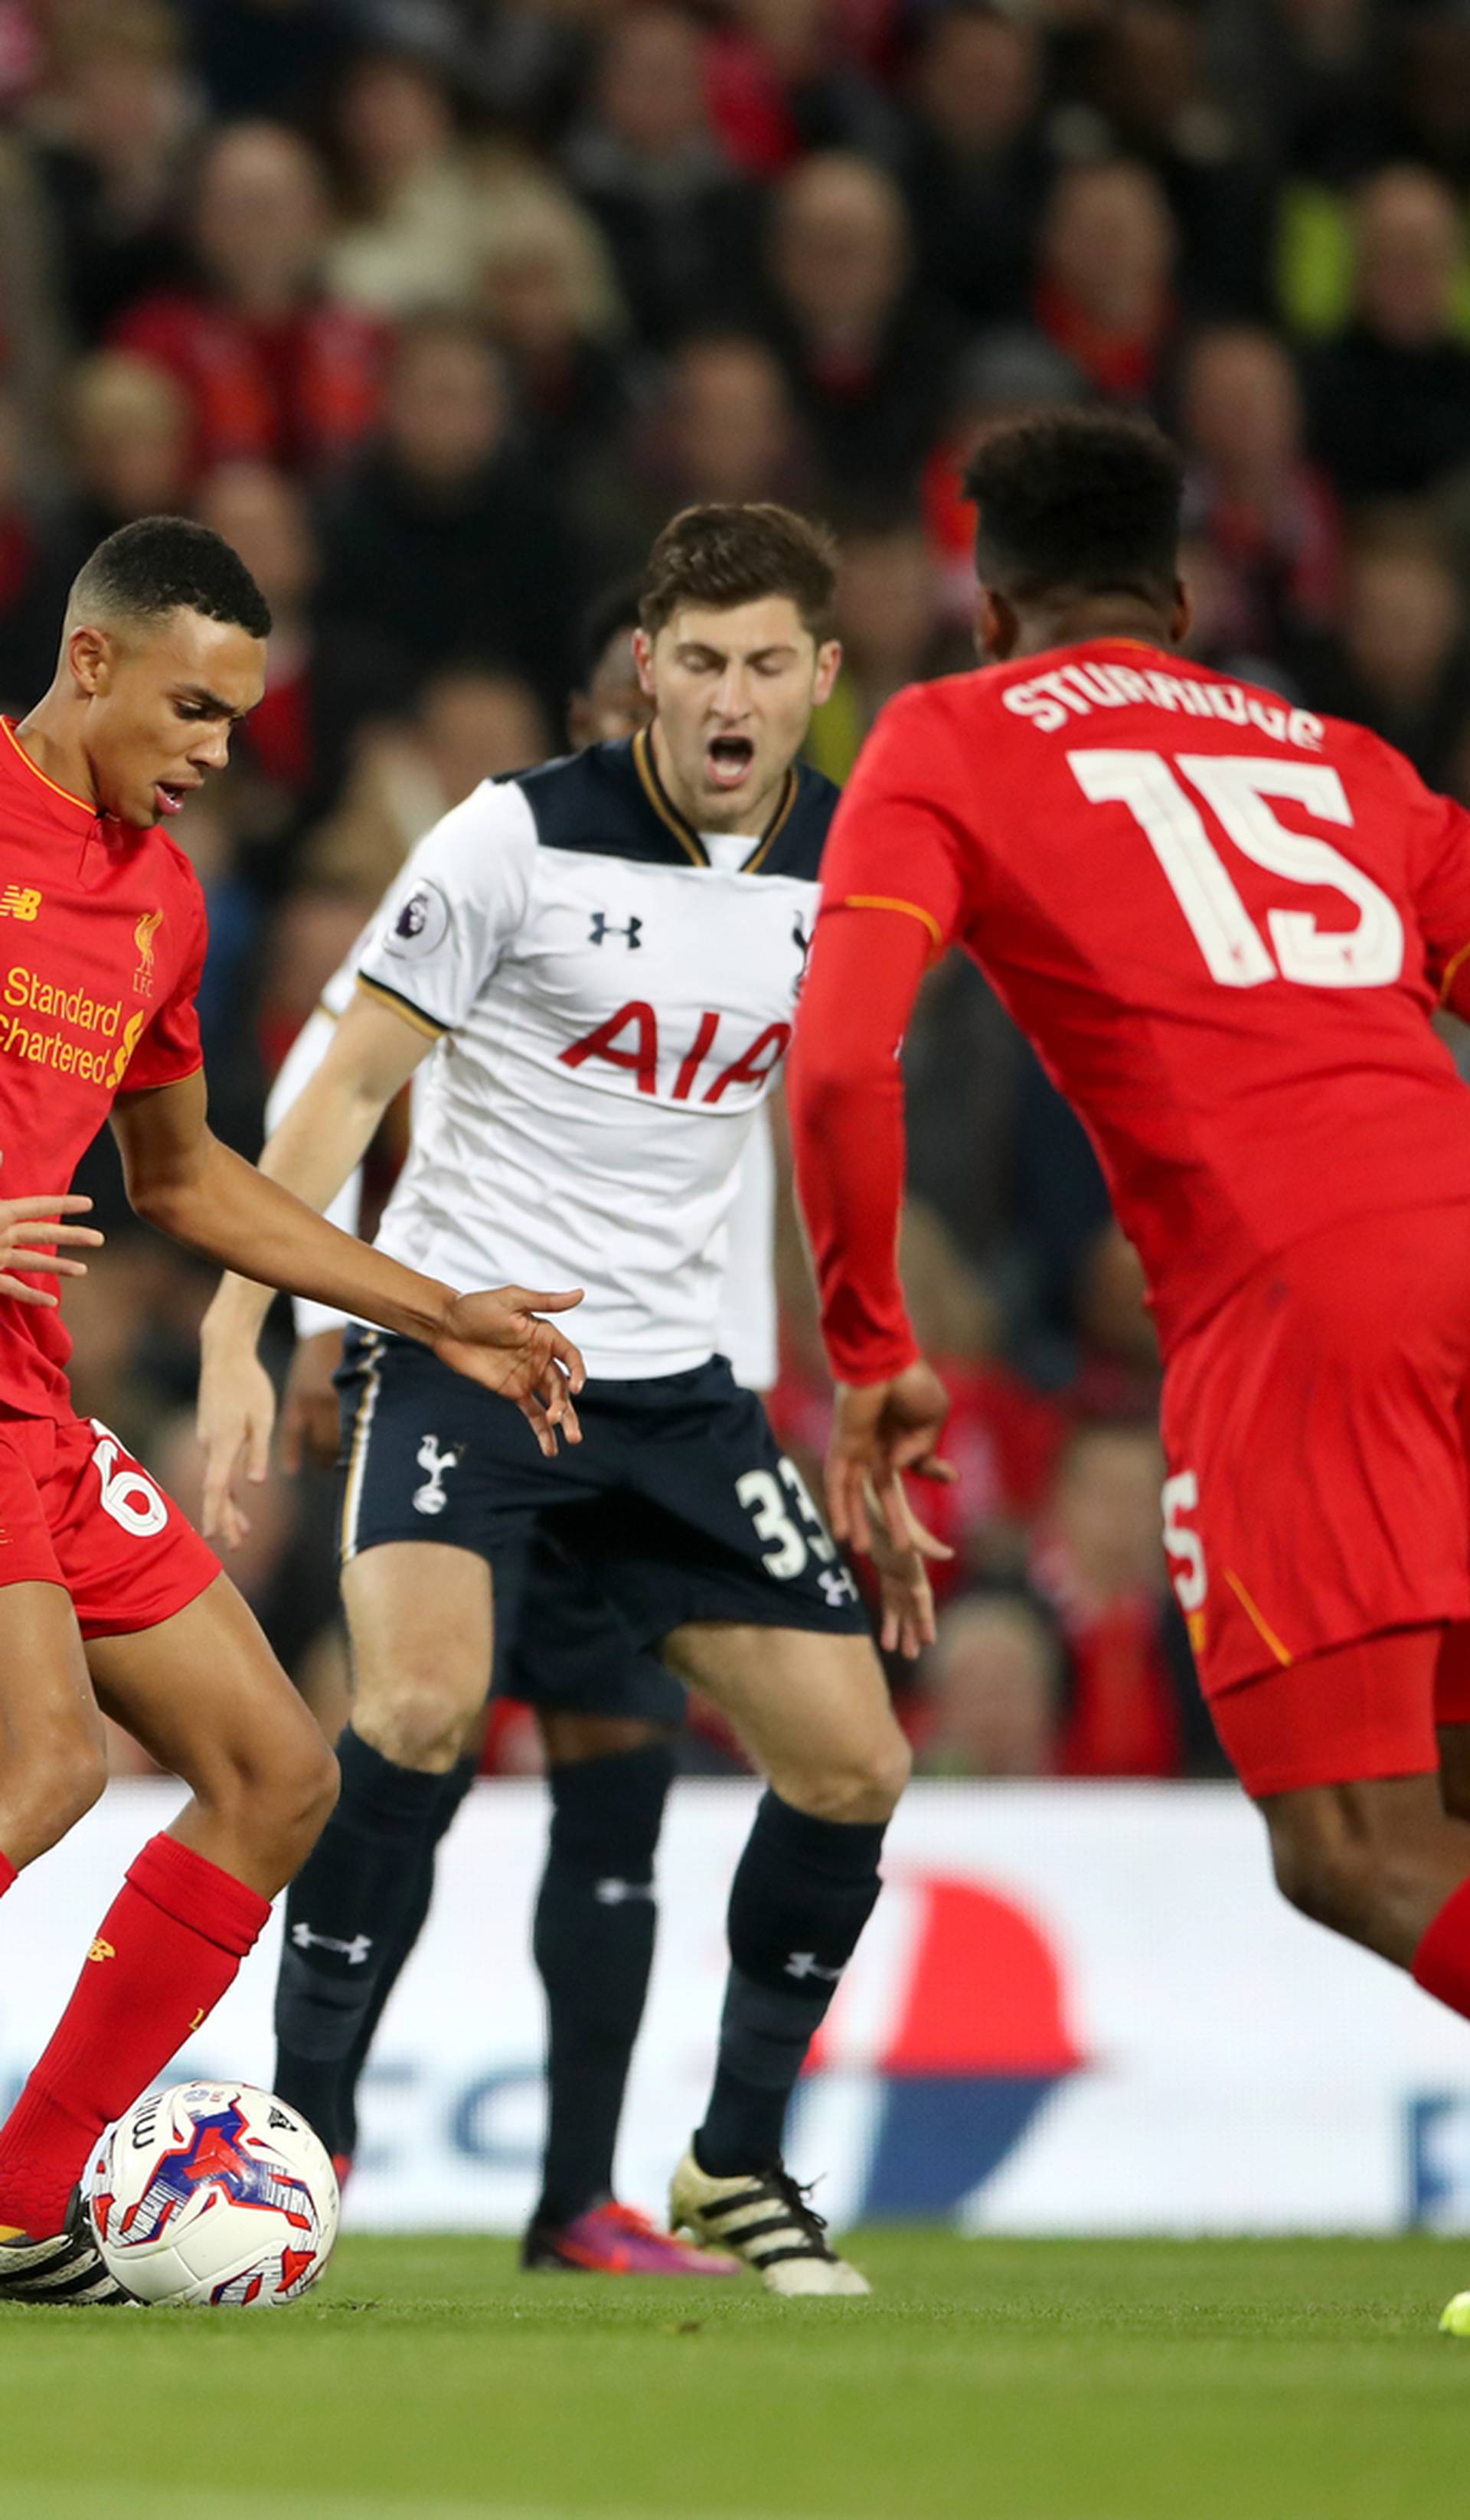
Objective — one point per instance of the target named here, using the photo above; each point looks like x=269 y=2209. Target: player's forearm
x=232 y=1213
x=845 y=1096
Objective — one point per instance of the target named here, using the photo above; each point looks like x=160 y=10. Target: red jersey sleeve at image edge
x=169 y=1048
x=1442 y=898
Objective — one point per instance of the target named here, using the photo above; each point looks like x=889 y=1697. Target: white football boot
x=65 y=2272
x=764 y=2218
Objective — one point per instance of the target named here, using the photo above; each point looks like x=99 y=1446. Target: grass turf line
x=1020 y=2380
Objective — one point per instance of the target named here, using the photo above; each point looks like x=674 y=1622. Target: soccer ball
x=212 y=2193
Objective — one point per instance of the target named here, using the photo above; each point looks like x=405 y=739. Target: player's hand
x=882 y=1429
x=498 y=1339
x=906 y=1600
x=309 y=1414
x=18 y=1220
x=235 y=1414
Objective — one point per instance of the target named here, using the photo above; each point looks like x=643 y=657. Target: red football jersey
x=101 y=944
x=1223 y=923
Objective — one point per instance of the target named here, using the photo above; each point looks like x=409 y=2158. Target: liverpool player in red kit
x=108 y=1599
x=1225 y=924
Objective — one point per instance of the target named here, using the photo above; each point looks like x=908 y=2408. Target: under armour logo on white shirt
x=602 y=927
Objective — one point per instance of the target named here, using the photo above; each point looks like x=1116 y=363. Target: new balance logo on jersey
x=431 y=1497
x=806 y=1965
x=355 y=1953
x=602 y=927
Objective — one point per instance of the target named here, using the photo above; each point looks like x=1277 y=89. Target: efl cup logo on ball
x=212 y=2193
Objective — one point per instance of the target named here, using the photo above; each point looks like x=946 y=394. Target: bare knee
x=417 y=1719
x=59 y=1777
x=864 y=1783
x=272 y=1799
x=1353 y=1859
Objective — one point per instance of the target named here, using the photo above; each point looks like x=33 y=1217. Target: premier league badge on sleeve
x=422 y=923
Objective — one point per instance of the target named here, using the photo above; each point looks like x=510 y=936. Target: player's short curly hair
x=1078 y=501
x=721 y=556
x=163 y=564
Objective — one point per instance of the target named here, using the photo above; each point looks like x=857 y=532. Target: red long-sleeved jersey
x=1223 y=923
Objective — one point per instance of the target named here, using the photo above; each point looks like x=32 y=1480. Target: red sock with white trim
x=1442 y=1962
x=166 y=1952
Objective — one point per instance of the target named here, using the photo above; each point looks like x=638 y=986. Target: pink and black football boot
x=614 y=2239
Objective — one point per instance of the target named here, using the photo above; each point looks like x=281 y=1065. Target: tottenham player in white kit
x=605 y=957
x=608 y=1714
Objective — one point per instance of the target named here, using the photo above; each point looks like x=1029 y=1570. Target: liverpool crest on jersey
x=143 y=936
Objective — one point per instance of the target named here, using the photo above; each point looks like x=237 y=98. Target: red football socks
x=166 y=1950
x=1442 y=1962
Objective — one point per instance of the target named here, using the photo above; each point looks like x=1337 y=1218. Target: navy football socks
x=594 y=1948
x=352 y=1915
x=802 y=1892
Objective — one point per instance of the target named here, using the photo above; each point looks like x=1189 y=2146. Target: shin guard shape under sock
x=345 y=1916
x=802 y=1892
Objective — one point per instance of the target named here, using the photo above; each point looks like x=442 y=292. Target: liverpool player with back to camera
x=1225 y=924
x=608 y=1714
x=609 y=949
x=108 y=1601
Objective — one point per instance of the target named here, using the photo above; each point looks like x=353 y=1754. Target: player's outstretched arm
x=846 y=1106
x=181 y=1179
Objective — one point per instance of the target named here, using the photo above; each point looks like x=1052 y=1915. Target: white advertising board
x=1078 y=2009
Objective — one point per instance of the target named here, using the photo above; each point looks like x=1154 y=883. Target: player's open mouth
x=168 y=795
x=728 y=758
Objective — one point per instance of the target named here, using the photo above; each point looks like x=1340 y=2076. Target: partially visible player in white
x=611 y=947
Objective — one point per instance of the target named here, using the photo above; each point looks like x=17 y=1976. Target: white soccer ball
x=213 y=2193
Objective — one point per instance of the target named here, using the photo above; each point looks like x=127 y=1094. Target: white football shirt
x=610 y=996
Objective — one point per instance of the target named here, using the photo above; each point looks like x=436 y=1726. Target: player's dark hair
x=163 y=564
x=721 y=556
x=610 y=614
x=1078 y=501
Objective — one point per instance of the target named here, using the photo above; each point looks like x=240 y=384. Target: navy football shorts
x=677 y=1504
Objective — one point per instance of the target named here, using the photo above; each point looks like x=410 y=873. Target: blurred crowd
x=438 y=308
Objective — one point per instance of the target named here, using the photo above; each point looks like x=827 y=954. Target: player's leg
x=814 y=1712
x=419 y=1614
x=608 y=1716
x=717 y=1549
x=411 y=1923
x=53 y=1755
x=596 y=1918
x=1339 y=1751
x=205 y=1695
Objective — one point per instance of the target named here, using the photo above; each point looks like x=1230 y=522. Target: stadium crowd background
x=438 y=308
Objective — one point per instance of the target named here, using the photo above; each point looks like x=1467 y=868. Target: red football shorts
x=1316 y=1429
x=76 y=1509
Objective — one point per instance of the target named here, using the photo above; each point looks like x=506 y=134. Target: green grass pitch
x=989 y=2380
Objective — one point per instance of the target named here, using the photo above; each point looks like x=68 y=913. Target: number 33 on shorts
x=1186 y=1551
x=793 y=1540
